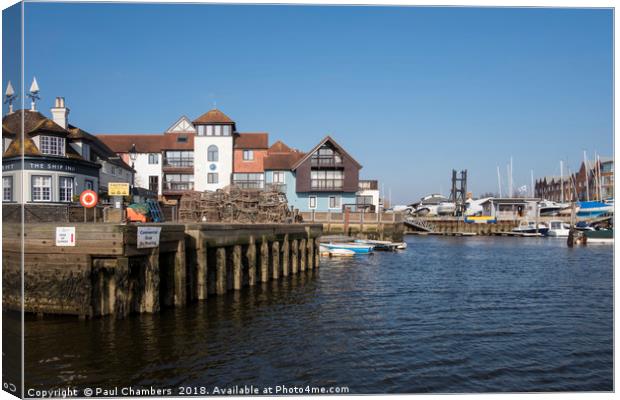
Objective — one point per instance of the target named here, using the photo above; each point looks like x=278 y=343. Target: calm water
x=446 y=315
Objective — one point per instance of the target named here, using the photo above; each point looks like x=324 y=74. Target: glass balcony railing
x=178 y=162
x=178 y=186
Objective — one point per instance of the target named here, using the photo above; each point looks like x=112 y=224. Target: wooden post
x=264 y=260
x=285 y=256
x=150 y=298
x=295 y=257
x=121 y=276
x=220 y=265
x=275 y=260
x=180 y=275
x=201 y=272
x=251 y=262
x=237 y=271
x=310 y=253
x=303 y=248
x=317 y=252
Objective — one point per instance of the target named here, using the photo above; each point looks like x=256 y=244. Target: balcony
x=368 y=185
x=276 y=187
x=249 y=184
x=174 y=162
x=327 y=184
x=326 y=161
x=178 y=186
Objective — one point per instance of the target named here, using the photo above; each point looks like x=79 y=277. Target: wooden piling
x=303 y=248
x=295 y=256
x=251 y=254
x=237 y=269
x=201 y=273
x=285 y=256
x=180 y=276
x=150 y=296
x=275 y=260
x=264 y=260
x=317 y=252
x=310 y=253
x=220 y=266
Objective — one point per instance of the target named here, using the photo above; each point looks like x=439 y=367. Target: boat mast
x=561 y=182
x=511 y=188
x=499 y=182
x=532 y=181
x=585 y=167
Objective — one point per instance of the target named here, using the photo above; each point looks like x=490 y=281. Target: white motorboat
x=558 y=228
x=530 y=227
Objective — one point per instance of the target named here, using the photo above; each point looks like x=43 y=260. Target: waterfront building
x=60 y=160
x=594 y=181
x=250 y=150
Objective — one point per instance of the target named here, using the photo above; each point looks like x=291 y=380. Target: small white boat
x=341 y=253
x=557 y=229
x=530 y=227
x=401 y=245
x=358 y=248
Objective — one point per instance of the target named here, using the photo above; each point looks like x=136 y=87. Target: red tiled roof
x=148 y=143
x=249 y=140
x=282 y=161
x=279 y=147
x=214 y=116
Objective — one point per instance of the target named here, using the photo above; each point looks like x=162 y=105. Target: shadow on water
x=446 y=315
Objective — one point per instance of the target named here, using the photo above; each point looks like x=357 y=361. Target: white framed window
x=201 y=130
x=312 y=202
x=212 y=153
x=41 y=188
x=248 y=155
x=212 y=177
x=218 y=130
x=65 y=188
x=334 y=201
x=209 y=130
x=153 y=158
x=7 y=188
x=52 y=145
x=226 y=130
x=85 y=151
x=278 y=177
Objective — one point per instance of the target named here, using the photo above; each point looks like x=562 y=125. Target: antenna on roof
x=10 y=96
x=34 y=93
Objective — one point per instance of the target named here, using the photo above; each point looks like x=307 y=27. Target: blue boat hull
x=355 y=248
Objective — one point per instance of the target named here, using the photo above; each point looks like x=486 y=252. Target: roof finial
x=10 y=96
x=34 y=93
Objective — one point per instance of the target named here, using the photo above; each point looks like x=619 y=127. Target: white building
x=213 y=151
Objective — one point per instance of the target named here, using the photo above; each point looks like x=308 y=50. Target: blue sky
x=410 y=92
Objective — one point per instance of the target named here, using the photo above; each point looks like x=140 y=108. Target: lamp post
x=132 y=155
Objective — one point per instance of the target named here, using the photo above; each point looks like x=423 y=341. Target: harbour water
x=475 y=314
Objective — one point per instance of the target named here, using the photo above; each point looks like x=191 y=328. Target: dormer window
x=182 y=139
x=214 y=130
x=52 y=145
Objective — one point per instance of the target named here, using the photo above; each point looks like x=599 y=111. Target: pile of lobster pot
x=235 y=205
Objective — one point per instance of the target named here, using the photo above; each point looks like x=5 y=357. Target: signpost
x=148 y=237
x=89 y=199
x=117 y=190
x=65 y=236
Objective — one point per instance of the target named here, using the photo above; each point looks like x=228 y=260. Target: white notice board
x=65 y=236
x=148 y=236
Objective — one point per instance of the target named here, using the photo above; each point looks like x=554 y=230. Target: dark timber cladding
x=106 y=273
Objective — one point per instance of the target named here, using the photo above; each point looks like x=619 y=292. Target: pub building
x=59 y=160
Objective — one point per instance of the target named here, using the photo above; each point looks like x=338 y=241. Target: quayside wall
x=106 y=271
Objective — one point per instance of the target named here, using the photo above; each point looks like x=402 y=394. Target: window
x=182 y=139
x=312 y=202
x=154 y=183
x=201 y=130
x=278 y=177
x=89 y=185
x=249 y=181
x=334 y=201
x=212 y=153
x=178 y=182
x=212 y=177
x=7 y=188
x=226 y=130
x=179 y=158
x=326 y=156
x=65 y=186
x=153 y=158
x=209 y=130
x=330 y=179
x=52 y=145
x=218 y=130
x=41 y=188
x=86 y=151
x=248 y=155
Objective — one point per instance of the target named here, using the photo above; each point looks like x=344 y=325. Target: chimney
x=60 y=113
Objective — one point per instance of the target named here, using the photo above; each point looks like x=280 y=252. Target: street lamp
x=133 y=154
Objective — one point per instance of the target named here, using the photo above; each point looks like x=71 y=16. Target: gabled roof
x=214 y=116
x=279 y=147
x=14 y=149
x=321 y=143
x=34 y=121
x=250 y=140
x=145 y=143
x=183 y=124
x=282 y=161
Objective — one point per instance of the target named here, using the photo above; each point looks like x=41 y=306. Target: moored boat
x=594 y=208
x=530 y=227
x=357 y=248
x=600 y=236
x=557 y=228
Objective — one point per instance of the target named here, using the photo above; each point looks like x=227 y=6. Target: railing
x=178 y=186
x=249 y=184
x=326 y=161
x=276 y=187
x=368 y=185
x=354 y=217
x=178 y=162
x=323 y=184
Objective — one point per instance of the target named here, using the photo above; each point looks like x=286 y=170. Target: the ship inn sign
x=70 y=166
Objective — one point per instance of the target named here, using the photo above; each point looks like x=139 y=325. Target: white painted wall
x=224 y=165
x=144 y=170
x=373 y=193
